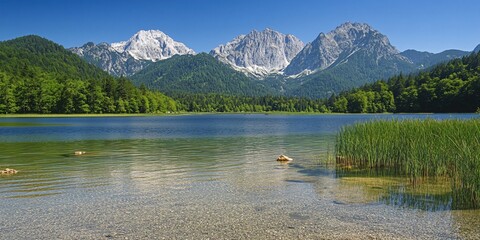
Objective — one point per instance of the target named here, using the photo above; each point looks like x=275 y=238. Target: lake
x=207 y=176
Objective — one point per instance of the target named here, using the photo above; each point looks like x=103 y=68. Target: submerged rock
x=8 y=171
x=283 y=158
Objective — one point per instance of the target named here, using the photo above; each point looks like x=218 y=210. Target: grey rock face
x=338 y=45
x=108 y=59
x=259 y=53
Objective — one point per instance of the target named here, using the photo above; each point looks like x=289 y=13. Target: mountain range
x=349 y=56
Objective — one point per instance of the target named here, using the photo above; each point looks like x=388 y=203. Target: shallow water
x=203 y=176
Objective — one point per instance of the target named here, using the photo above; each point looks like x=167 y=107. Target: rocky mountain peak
x=152 y=45
x=340 y=44
x=128 y=57
x=259 y=53
x=362 y=35
x=88 y=45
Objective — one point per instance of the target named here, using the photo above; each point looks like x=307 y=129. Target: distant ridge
x=422 y=60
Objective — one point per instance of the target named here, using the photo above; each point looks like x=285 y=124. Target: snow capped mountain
x=128 y=57
x=152 y=45
x=340 y=44
x=259 y=53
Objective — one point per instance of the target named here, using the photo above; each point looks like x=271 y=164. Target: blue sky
x=426 y=25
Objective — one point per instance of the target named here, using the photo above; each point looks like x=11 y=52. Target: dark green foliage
x=199 y=73
x=39 y=76
x=449 y=87
x=224 y=103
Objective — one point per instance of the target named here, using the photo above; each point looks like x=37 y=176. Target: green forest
x=225 y=103
x=450 y=87
x=39 y=76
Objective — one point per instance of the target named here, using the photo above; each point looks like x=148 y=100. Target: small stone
x=283 y=158
x=8 y=171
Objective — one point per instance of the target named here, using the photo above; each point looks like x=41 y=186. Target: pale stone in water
x=8 y=171
x=284 y=158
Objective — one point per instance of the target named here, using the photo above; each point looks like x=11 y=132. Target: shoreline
x=84 y=115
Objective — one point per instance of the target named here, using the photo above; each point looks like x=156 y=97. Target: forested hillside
x=40 y=76
x=449 y=87
x=194 y=74
x=358 y=70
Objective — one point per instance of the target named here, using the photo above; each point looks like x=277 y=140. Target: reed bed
x=418 y=149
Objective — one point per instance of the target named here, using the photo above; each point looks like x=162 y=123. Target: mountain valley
x=349 y=56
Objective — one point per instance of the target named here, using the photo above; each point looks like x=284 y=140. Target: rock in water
x=283 y=158
x=8 y=171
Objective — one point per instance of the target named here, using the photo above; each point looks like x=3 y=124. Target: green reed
x=418 y=149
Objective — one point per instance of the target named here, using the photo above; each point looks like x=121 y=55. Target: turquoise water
x=198 y=176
